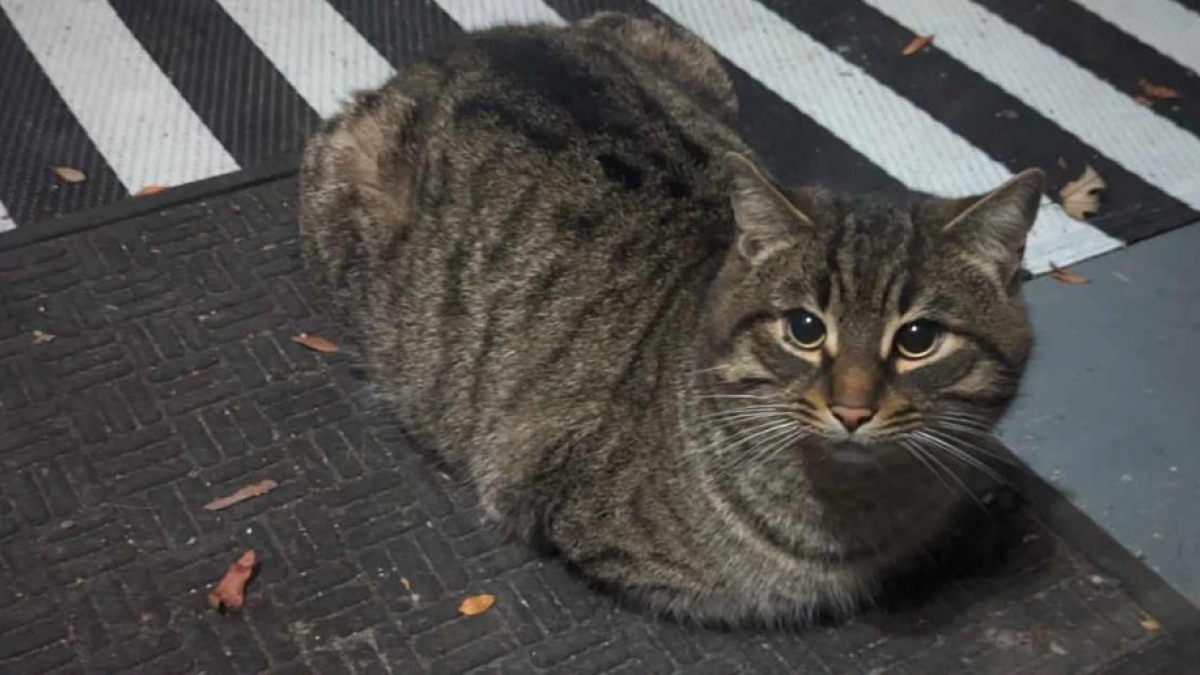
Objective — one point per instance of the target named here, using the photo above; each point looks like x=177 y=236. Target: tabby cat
x=727 y=399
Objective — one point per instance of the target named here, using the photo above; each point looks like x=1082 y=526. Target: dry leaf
x=260 y=488
x=150 y=190
x=1063 y=276
x=69 y=174
x=476 y=604
x=406 y=584
x=231 y=590
x=918 y=43
x=1142 y=100
x=1155 y=90
x=1150 y=623
x=316 y=342
x=41 y=337
x=1079 y=197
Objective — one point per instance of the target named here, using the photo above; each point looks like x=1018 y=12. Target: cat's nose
x=852 y=418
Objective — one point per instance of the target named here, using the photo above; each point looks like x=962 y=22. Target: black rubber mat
x=147 y=367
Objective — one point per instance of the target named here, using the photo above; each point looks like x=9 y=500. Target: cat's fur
x=569 y=275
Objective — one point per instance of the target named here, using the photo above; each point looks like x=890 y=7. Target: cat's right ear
x=767 y=221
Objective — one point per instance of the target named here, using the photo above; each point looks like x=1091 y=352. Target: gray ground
x=1111 y=408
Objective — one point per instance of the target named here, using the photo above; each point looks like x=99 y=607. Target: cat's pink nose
x=852 y=418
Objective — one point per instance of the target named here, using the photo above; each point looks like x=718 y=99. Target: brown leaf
x=476 y=604
x=1150 y=623
x=1142 y=100
x=1081 y=196
x=316 y=342
x=69 y=174
x=1152 y=90
x=258 y=489
x=40 y=337
x=231 y=590
x=918 y=43
x=150 y=190
x=1064 y=276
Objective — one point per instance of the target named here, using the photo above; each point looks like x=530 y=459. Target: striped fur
x=568 y=274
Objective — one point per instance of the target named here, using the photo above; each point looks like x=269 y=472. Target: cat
x=726 y=399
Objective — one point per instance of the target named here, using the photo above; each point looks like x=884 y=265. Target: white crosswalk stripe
x=479 y=14
x=313 y=47
x=140 y=123
x=1077 y=100
x=893 y=133
x=1165 y=25
x=6 y=222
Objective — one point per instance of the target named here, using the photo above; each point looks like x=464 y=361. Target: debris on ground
x=1064 y=276
x=1150 y=624
x=476 y=604
x=258 y=489
x=918 y=43
x=316 y=343
x=150 y=190
x=231 y=590
x=1158 y=91
x=1081 y=197
x=41 y=337
x=70 y=174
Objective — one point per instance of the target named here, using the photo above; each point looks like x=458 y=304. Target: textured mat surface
x=147 y=367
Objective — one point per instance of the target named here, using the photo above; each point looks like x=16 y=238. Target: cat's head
x=868 y=322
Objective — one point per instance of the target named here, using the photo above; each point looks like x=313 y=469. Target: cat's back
x=505 y=224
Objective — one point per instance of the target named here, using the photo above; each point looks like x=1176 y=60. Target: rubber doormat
x=147 y=367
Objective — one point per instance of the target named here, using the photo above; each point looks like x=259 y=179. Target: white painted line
x=1073 y=98
x=886 y=128
x=315 y=49
x=479 y=14
x=1167 y=26
x=142 y=126
x=6 y=221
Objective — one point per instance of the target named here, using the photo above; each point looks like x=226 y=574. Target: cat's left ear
x=767 y=221
x=993 y=228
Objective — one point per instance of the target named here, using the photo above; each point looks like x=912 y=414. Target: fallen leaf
x=231 y=590
x=66 y=525
x=1142 y=100
x=1080 y=197
x=918 y=43
x=1150 y=623
x=40 y=337
x=1066 y=277
x=1156 y=90
x=260 y=488
x=316 y=342
x=476 y=604
x=69 y=174
x=150 y=190
x=406 y=584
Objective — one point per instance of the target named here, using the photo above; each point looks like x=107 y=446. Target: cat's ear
x=767 y=220
x=993 y=228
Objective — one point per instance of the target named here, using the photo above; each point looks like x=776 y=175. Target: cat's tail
x=675 y=55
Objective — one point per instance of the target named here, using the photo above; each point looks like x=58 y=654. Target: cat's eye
x=918 y=339
x=805 y=329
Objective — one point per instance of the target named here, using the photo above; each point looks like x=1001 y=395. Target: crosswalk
x=138 y=94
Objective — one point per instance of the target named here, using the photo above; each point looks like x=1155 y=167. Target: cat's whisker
x=735 y=396
x=920 y=454
x=949 y=430
x=945 y=444
x=934 y=458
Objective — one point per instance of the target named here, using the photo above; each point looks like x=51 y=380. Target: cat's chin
x=854 y=452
